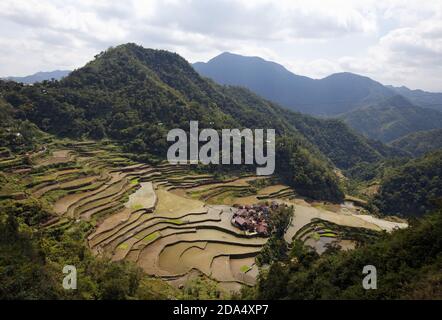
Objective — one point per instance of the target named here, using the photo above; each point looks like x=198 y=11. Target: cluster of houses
x=254 y=218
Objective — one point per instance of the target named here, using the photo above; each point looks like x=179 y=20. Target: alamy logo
x=370 y=281
x=70 y=281
x=232 y=149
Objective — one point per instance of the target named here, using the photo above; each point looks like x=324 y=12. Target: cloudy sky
x=393 y=41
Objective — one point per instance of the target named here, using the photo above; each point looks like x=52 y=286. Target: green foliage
x=392 y=119
x=23 y=270
x=201 y=288
x=419 y=143
x=308 y=175
x=135 y=96
x=343 y=146
x=413 y=188
x=17 y=135
x=408 y=263
x=275 y=248
x=31 y=262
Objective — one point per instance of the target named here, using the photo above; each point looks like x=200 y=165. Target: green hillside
x=392 y=119
x=413 y=188
x=135 y=95
x=419 y=143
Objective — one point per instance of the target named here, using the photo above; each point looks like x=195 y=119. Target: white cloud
x=393 y=41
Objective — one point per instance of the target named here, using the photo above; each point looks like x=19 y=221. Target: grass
x=136 y=206
x=153 y=288
x=134 y=181
x=151 y=236
x=170 y=204
x=54 y=195
x=245 y=268
x=328 y=235
x=175 y=221
x=316 y=236
x=123 y=246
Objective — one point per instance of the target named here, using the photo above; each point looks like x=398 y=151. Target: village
x=254 y=218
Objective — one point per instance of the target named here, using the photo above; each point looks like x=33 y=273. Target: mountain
x=412 y=189
x=420 y=142
x=16 y=135
x=421 y=98
x=392 y=118
x=131 y=93
x=41 y=76
x=375 y=110
x=344 y=146
x=134 y=96
x=335 y=94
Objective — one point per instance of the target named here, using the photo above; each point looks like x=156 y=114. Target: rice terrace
x=250 y=153
x=174 y=222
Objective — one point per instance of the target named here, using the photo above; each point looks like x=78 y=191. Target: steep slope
x=332 y=95
x=268 y=79
x=412 y=189
x=135 y=95
x=391 y=119
x=432 y=100
x=41 y=76
x=17 y=135
x=336 y=140
x=419 y=143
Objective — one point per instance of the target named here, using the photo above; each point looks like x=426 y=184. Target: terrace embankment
x=171 y=221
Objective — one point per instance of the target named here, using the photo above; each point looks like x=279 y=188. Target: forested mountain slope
x=379 y=112
x=412 y=189
x=135 y=95
x=421 y=98
x=420 y=142
x=392 y=118
x=340 y=143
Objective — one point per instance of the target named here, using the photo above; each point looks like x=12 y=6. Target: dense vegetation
x=421 y=98
x=419 y=143
x=31 y=261
x=135 y=95
x=275 y=248
x=17 y=135
x=412 y=189
x=408 y=266
x=391 y=119
x=377 y=111
x=306 y=174
x=343 y=146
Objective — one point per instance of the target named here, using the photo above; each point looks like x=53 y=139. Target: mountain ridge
x=384 y=112
x=425 y=99
x=40 y=76
x=295 y=92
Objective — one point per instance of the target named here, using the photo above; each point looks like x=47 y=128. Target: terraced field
x=172 y=222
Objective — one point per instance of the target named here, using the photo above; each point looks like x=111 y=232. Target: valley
x=84 y=182
x=172 y=221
